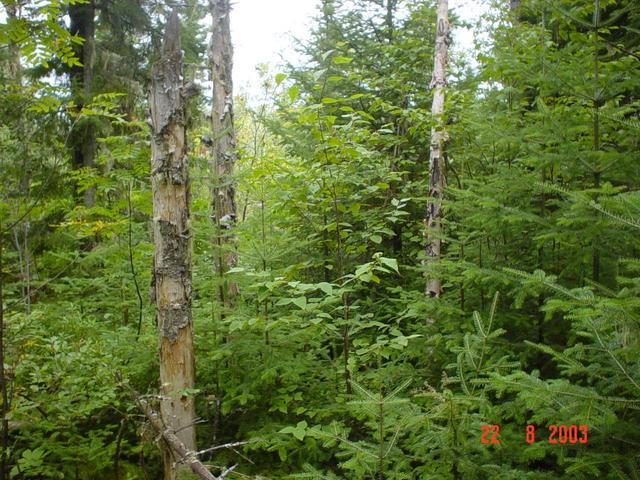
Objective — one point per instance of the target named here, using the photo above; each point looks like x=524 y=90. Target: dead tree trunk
x=172 y=242
x=223 y=159
x=433 y=220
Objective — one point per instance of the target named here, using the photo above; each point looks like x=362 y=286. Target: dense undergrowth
x=331 y=363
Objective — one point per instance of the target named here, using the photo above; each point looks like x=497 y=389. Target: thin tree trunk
x=433 y=221
x=4 y=467
x=14 y=66
x=15 y=74
x=22 y=246
x=388 y=19
x=172 y=243
x=222 y=161
x=595 y=251
x=82 y=23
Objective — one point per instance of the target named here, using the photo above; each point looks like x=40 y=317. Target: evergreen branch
x=540 y=385
x=463 y=381
x=398 y=389
x=557 y=355
x=568 y=15
x=364 y=391
x=492 y=311
x=395 y=437
x=469 y=352
x=477 y=320
x=613 y=356
x=624 y=220
x=344 y=440
x=628 y=122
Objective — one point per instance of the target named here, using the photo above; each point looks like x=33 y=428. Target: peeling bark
x=433 y=220
x=172 y=242
x=222 y=162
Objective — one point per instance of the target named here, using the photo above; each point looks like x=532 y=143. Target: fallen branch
x=188 y=457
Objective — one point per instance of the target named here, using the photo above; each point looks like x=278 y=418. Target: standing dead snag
x=221 y=165
x=172 y=242
x=433 y=220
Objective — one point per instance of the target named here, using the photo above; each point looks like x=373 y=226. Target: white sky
x=261 y=31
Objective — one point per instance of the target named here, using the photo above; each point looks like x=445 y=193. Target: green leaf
x=376 y=239
x=326 y=288
x=293 y=92
x=300 y=302
x=280 y=78
x=391 y=263
x=340 y=60
x=299 y=431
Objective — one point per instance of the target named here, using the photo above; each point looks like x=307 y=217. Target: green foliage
x=331 y=363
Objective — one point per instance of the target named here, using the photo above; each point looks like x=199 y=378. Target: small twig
x=154 y=396
x=196 y=422
x=219 y=447
x=227 y=471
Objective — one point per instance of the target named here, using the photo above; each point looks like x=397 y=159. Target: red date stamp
x=494 y=430
x=554 y=435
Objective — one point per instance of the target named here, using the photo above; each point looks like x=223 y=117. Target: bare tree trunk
x=433 y=221
x=172 y=242
x=222 y=162
x=597 y=102
x=82 y=23
x=4 y=459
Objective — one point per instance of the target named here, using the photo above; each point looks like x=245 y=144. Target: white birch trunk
x=433 y=220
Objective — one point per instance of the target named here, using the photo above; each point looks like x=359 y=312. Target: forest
x=403 y=259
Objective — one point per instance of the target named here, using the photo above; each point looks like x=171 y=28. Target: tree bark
x=223 y=158
x=388 y=19
x=82 y=23
x=14 y=67
x=172 y=242
x=433 y=220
